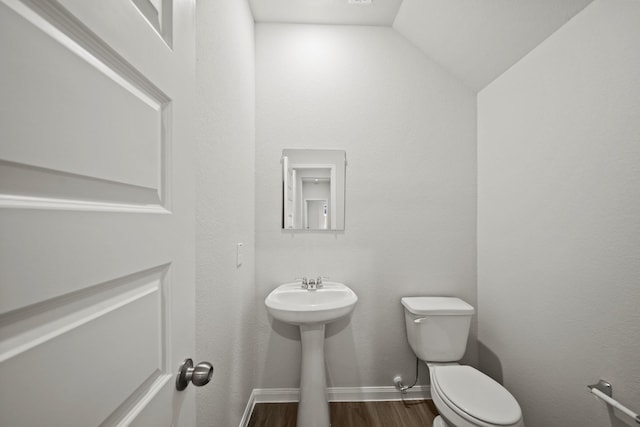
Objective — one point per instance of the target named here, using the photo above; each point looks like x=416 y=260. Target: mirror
x=313 y=189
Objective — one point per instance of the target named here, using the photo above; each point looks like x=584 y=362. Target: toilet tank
x=437 y=327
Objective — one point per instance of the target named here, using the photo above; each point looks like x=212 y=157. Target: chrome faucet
x=304 y=282
x=311 y=284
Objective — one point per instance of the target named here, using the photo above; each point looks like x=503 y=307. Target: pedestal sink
x=312 y=309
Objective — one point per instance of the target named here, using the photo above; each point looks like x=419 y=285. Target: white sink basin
x=291 y=303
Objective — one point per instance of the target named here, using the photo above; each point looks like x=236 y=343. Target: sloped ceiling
x=475 y=40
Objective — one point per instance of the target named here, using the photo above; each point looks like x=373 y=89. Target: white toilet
x=437 y=329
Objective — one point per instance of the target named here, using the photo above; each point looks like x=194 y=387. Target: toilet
x=437 y=330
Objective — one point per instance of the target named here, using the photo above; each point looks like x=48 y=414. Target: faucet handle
x=304 y=281
x=320 y=279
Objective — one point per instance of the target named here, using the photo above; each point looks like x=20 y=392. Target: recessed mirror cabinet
x=313 y=183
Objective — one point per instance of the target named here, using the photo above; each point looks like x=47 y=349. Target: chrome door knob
x=199 y=376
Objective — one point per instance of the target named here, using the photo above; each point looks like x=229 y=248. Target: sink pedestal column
x=313 y=409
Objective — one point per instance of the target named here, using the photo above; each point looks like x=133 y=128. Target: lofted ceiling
x=475 y=40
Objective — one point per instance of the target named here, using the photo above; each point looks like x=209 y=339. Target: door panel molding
x=96 y=212
x=159 y=14
x=37 y=336
x=116 y=138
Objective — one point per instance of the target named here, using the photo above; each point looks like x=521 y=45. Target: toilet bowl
x=466 y=397
x=437 y=331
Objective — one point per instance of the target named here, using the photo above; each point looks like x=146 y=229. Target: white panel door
x=96 y=212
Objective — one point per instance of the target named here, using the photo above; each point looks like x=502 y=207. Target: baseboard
x=335 y=394
x=248 y=410
x=366 y=394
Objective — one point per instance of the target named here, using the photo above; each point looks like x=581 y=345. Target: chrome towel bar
x=604 y=391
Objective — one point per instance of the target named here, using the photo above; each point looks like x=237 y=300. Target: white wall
x=225 y=305
x=409 y=131
x=559 y=220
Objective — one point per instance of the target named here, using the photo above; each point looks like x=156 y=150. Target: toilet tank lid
x=437 y=306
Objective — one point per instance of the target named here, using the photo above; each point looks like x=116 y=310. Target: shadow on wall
x=621 y=420
x=285 y=330
x=338 y=326
x=341 y=354
x=489 y=362
x=490 y=365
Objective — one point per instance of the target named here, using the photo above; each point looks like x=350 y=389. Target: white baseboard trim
x=248 y=410
x=335 y=394
x=366 y=394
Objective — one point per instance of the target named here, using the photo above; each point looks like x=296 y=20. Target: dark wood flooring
x=410 y=413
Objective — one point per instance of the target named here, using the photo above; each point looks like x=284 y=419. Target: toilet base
x=439 y=422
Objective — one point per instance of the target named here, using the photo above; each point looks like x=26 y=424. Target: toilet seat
x=474 y=396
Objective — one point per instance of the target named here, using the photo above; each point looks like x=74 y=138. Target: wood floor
x=411 y=413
